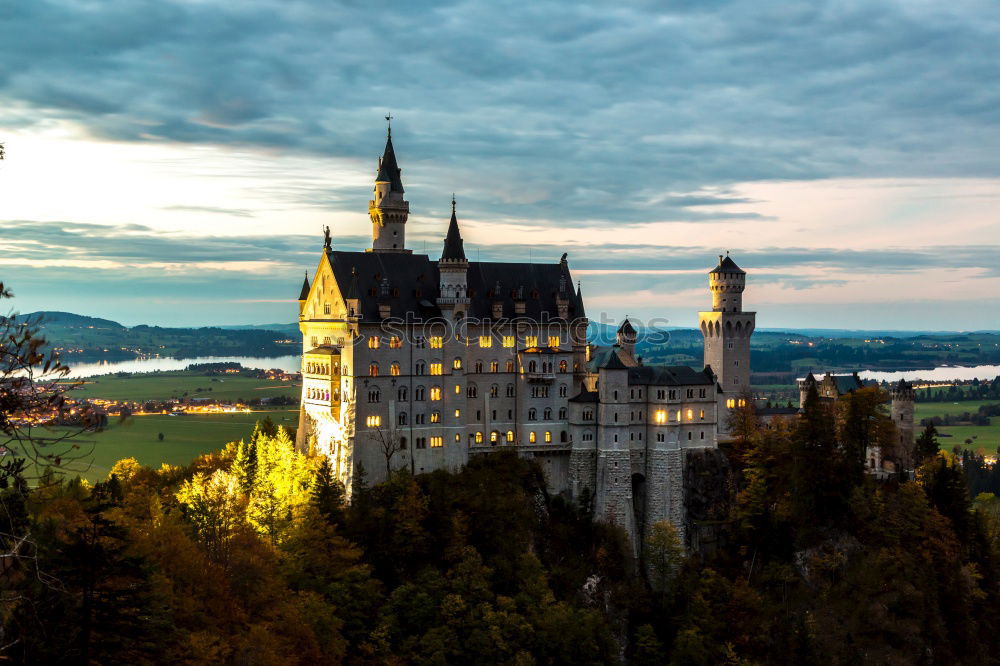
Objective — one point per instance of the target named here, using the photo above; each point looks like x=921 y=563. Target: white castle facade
x=416 y=363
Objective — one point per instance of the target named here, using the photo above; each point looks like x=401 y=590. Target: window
x=689 y=437
x=563 y=390
x=701 y=393
x=532 y=414
x=437 y=369
x=419 y=368
x=458 y=438
x=702 y=435
x=456 y=364
x=701 y=415
x=690 y=415
x=690 y=393
x=436 y=343
x=402 y=443
x=548 y=436
x=510 y=390
x=742 y=402
x=395 y=342
x=673 y=395
x=494 y=437
x=562 y=413
x=531 y=341
x=394 y=369
x=435 y=417
x=661 y=437
x=531 y=437
x=315 y=341
x=616 y=395
x=418 y=393
x=421 y=443
x=730 y=403
x=661 y=416
x=327 y=341
x=494 y=391
x=458 y=413
x=510 y=366
x=374 y=396
x=402 y=418
x=374 y=421
x=479 y=437
x=479 y=366
x=471 y=391
x=494 y=366
x=485 y=341
x=563 y=437
x=435 y=393
x=458 y=390
x=563 y=366
x=401 y=394
x=678 y=415
x=510 y=436
x=420 y=419
x=373 y=342
x=493 y=414
x=547 y=414
x=588 y=416
x=508 y=341
x=532 y=366
x=437 y=442
x=553 y=341
x=373 y=369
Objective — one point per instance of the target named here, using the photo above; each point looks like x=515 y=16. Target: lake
x=290 y=363
x=942 y=373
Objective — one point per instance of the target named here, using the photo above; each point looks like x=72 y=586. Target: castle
x=411 y=362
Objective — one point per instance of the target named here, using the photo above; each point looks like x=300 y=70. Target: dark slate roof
x=304 y=293
x=413 y=282
x=388 y=170
x=847 y=383
x=613 y=362
x=727 y=265
x=626 y=328
x=453 y=246
x=584 y=395
x=599 y=356
x=668 y=375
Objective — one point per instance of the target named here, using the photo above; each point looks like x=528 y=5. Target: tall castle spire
x=454 y=249
x=388 y=210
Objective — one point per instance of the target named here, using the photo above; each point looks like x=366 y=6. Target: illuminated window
x=437 y=442
x=553 y=341
x=485 y=341
x=326 y=308
x=315 y=341
x=531 y=437
x=374 y=421
x=508 y=341
x=457 y=364
x=373 y=369
x=394 y=369
x=510 y=436
x=479 y=438
x=494 y=436
x=661 y=416
x=458 y=438
x=458 y=389
x=690 y=414
x=395 y=342
x=327 y=340
x=531 y=341
x=435 y=417
x=494 y=391
x=678 y=416
x=510 y=366
x=742 y=403
x=494 y=366
x=701 y=415
x=458 y=413
x=435 y=393
x=437 y=369
x=436 y=343
x=562 y=366
x=372 y=342
x=730 y=403
x=548 y=436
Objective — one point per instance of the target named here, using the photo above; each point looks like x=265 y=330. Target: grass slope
x=163 y=385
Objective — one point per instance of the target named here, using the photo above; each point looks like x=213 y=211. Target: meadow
x=986 y=437
x=185 y=437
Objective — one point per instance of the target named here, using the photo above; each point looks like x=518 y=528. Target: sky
x=172 y=162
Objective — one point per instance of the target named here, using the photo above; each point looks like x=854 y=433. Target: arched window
x=563 y=437
x=402 y=418
x=494 y=366
x=479 y=366
x=494 y=391
x=562 y=413
x=457 y=364
x=531 y=437
x=471 y=391
x=563 y=390
x=394 y=369
x=435 y=417
x=401 y=394
x=532 y=366
x=374 y=395
x=547 y=414
x=479 y=437
x=402 y=443
x=373 y=368
x=548 y=436
x=418 y=393
x=510 y=436
x=532 y=414
x=494 y=437
x=419 y=368
x=510 y=390
x=563 y=366
x=510 y=366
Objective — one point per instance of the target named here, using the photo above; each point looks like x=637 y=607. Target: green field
x=986 y=437
x=925 y=410
x=163 y=385
x=184 y=438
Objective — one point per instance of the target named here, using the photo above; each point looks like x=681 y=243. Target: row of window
x=732 y=402
x=321 y=368
x=322 y=394
x=663 y=394
x=435 y=416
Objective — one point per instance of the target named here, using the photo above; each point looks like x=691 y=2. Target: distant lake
x=942 y=373
x=290 y=363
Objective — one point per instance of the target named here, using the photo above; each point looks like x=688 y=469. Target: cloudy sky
x=172 y=161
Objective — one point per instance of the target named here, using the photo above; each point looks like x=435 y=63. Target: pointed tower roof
x=727 y=265
x=388 y=170
x=626 y=328
x=304 y=294
x=454 y=249
x=613 y=362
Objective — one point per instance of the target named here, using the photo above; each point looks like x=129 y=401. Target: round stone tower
x=727 y=282
x=727 y=328
x=903 y=397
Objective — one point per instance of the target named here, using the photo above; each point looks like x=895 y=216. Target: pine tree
x=927 y=445
x=328 y=493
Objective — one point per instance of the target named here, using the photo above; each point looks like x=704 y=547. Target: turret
x=727 y=282
x=388 y=210
x=626 y=337
x=304 y=293
x=453 y=269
